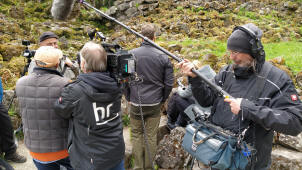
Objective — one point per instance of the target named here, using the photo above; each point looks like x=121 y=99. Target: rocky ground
x=29 y=165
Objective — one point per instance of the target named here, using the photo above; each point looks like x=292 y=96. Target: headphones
x=257 y=47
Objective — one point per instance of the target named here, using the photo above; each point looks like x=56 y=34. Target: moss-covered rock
x=8 y=51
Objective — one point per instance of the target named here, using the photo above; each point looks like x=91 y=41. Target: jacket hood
x=101 y=82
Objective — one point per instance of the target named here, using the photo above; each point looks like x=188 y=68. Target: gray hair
x=95 y=57
x=148 y=30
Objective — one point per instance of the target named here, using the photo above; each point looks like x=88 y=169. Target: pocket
x=225 y=161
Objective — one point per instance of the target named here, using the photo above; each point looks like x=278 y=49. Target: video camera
x=28 y=53
x=120 y=63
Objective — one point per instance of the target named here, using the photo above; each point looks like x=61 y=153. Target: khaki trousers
x=139 y=150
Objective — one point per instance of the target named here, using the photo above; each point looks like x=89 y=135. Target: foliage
x=248 y=14
x=12 y=111
x=291 y=51
x=126 y=120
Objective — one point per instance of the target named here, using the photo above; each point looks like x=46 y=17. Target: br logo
x=105 y=114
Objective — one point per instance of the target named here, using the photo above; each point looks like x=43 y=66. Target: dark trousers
x=7 y=142
x=175 y=111
x=54 y=165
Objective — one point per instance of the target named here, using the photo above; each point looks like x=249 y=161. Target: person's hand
x=235 y=104
x=186 y=68
x=68 y=62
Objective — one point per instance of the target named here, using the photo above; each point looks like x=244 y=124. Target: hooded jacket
x=276 y=109
x=93 y=105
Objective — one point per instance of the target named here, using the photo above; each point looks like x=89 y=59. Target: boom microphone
x=61 y=9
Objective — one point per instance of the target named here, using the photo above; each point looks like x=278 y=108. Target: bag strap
x=260 y=82
x=228 y=76
x=202 y=140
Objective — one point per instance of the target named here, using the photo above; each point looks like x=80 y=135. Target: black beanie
x=240 y=41
x=47 y=35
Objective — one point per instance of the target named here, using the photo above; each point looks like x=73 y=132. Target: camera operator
x=7 y=142
x=93 y=104
x=45 y=133
x=66 y=67
x=156 y=71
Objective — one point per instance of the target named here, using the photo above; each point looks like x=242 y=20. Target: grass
x=291 y=51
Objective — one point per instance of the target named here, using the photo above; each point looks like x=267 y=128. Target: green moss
x=196 y=10
x=126 y=120
x=180 y=8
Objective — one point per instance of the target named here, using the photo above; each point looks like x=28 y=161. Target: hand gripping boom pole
x=203 y=78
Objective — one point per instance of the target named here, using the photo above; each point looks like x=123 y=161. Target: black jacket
x=93 y=105
x=277 y=109
x=156 y=70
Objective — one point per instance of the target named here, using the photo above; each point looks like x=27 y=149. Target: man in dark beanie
x=66 y=67
x=260 y=112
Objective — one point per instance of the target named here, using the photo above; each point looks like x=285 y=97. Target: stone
x=112 y=10
x=170 y=154
x=123 y=7
x=63 y=42
x=10 y=50
x=299 y=79
x=116 y=3
x=128 y=147
x=162 y=128
x=7 y=97
x=175 y=47
x=294 y=142
x=130 y=12
x=17 y=12
x=150 y=1
x=285 y=159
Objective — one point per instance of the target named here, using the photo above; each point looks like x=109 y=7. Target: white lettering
x=103 y=112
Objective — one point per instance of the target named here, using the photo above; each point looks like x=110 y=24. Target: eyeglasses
x=234 y=53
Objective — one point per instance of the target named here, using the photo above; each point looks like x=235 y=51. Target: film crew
x=66 y=67
x=45 y=133
x=7 y=142
x=183 y=98
x=93 y=105
x=156 y=70
x=263 y=110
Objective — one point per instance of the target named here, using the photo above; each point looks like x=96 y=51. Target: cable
x=143 y=124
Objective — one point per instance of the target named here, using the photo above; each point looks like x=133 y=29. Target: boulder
x=10 y=50
x=285 y=159
x=170 y=154
x=162 y=128
x=294 y=142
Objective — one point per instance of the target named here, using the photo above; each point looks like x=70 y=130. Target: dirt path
x=28 y=165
